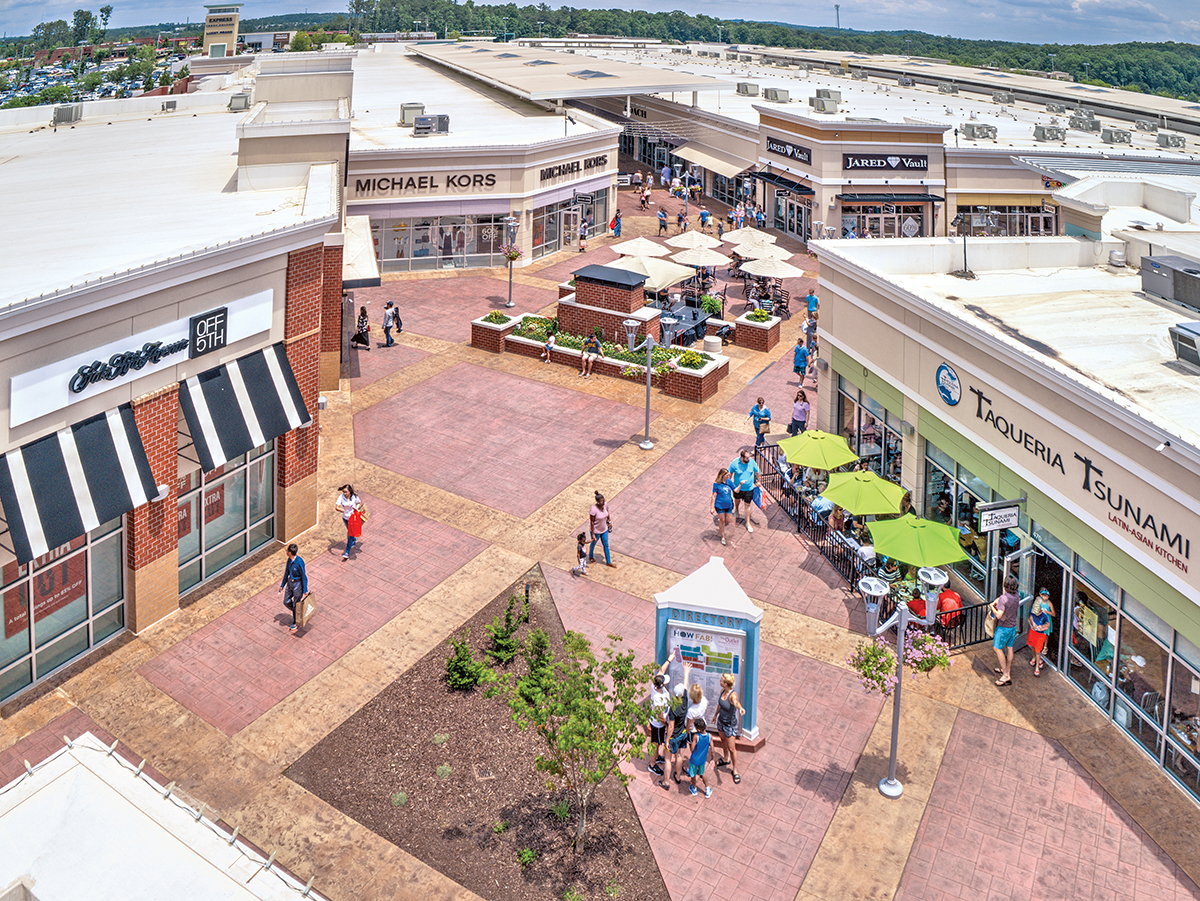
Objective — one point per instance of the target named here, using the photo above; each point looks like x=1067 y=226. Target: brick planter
x=489 y=336
x=697 y=385
x=757 y=335
x=566 y=289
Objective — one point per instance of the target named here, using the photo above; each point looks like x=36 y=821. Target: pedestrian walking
x=601 y=528
x=616 y=224
x=581 y=556
x=350 y=507
x=761 y=414
x=295 y=582
x=729 y=708
x=361 y=338
x=583 y=234
x=680 y=222
x=722 y=502
x=1040 y=626
x=745 y=475
x=800 y=409
x=800 y=359
x=389 y=323
x=1006 y=610
x=705 y=220
x=662 y=222
x=701 y=751
x=665 y=175
x=810 y=332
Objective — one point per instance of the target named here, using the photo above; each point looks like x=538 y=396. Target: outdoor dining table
x=691 y=319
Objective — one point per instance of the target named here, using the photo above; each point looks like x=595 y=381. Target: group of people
x=599 y=527
x=362 y=332
x=739 y=483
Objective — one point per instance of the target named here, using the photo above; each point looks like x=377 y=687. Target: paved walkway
x=479 y=466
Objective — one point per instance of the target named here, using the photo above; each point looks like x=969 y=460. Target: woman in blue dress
x=722 y=502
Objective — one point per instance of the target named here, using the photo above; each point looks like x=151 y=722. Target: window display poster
x=52 y=588
x=707 y=654
x=1089 y=624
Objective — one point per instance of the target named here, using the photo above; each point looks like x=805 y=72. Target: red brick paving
x=367 y=367
x=562 y=271
x=444 y=307
x=775 y=382
x=663 y=517
x=756 y=840
x=1013 y=816
x=39 y=745
x=240 y=665
x=501 y=440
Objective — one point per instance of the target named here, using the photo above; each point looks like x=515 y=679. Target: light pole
x=874 y=591
x=504 y=37
x=631 y=329
x=720 y=28
x=511 y=224
x=1087 y=71
x=416 y=24
x=961 y=222
x=1053 y=57
x=540 y=30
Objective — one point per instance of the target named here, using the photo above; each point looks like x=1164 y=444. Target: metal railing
x=958 y=628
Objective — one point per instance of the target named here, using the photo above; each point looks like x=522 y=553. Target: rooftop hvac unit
x=822 y=105
x=904 y=81
x=1083 y=123
x=1049 y=133
x=239 y=103
x=947 y=89
x=829 y=94
x=1003 y=97
x=1177 y=142
x=1172 y=277
x=1116 y=136
x=745 y=58
x=168 y=106
x=409 y=113
x=431 y=125
x=1086 y=113
x=778 y=95
x=747 y=88
x=978 y=130
x=1059 y=108
x=1145 y=125
x=858 y=75
x=68 y=113
x=1184 y=337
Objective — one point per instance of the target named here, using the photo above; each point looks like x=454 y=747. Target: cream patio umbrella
x=701 y=256
x=660 y=274
x=748 y=234
x=771 y=267
x=759 y=250
x=692 y=239
x=641 y=247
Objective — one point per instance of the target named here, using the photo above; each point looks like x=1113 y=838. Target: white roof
x=710 y=589
x=83 y=826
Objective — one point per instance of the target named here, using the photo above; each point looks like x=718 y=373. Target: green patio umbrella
x=863 y=493
x=817 y=449
x=918 y=542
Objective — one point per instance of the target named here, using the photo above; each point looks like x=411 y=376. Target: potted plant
x=712 y=305
x=511 y=252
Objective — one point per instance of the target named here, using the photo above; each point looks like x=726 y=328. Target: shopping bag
x=305 y=609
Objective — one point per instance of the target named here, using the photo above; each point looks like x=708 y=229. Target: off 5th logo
x=948 y=385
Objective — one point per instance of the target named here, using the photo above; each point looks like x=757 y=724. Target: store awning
x=713 y=160
x=241 y=405
x=780 y=181
x=64 y=485
x=890 y=198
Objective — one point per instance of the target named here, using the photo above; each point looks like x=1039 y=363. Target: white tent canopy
x=659 y=274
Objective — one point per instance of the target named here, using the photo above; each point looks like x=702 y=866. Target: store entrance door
x=1049 y=574
x=795 y=218
x=569 y=228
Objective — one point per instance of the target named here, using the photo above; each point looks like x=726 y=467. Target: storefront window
x=75 y=593
x=226 y=515
x=865 y=428
x=446 y=242
x=1011 y=221
x=1141 y=679
x=952 y=494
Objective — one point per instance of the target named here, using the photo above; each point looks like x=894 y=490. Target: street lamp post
x=631 y=329
x=874 y=590
x=540 y=30
x=1053 y=57
x=511 y=223
x=962 y=222
x=720 y=28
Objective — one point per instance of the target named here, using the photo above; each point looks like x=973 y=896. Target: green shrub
x=758 y=316
x=526 y=856
x=441 y=738
x=500 y=826
x=572 y=894
x=463 y=671
x=612 y=889
x=711 y=305
x=399 y=799
x=443 y=771
x=691 y=360
x=504 y=633
x=496 y=318
x=561 y=810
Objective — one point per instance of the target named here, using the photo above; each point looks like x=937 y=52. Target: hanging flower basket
x=511 y=252
x=925 y=652
x=875 y=663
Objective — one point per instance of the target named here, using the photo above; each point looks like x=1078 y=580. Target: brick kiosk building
x=159 y=415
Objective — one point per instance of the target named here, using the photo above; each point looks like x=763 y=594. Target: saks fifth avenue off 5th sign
x=1132 y=514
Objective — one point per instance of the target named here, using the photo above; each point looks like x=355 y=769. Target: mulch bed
x=450 y=819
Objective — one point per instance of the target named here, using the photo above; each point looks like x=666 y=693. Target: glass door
x=569 y=228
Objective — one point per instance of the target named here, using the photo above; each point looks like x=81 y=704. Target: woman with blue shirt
x=761 y=415
x=295 y=582
x=722 y=502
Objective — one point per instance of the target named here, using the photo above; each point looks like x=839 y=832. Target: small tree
x=588 y=712
x=301 y=43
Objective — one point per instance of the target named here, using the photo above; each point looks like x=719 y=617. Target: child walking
x=701 y=749
x=580 y=555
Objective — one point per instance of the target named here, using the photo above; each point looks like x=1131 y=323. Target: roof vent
x=977 y=131
x=239 y=103
x=859 y=74
x=1058 y=108
x=829 y=94
x=904 y=81
x=508 y=56
x=65 y=115
x=1146 y=125
x=747 y=88
x=1116 y=136
x=777 y=95
x=409 y=113
x=822 y=104
x=1003 y=97
x=947 y=89
x=1084 y=123
x=1176 y=142
x=541 y=62
x=1049 y=133
x=1184 y=337
x=591 y=73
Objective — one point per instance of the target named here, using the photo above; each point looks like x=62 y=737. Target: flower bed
x=661 y=358
x=488 y=332
x=757 y=334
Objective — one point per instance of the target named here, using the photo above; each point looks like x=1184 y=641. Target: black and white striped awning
x=64 y=485
x=241 y=405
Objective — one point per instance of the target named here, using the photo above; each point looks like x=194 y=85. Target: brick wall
x=608 y=297
x=152 y=530
x=331 y=318
x=297 y=450
x=688 y=386
x=570 y=357
x=753 y=336
x=565 y=291
x=491 y=337
x=579 y=319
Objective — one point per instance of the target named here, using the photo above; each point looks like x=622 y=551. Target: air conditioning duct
x=1084 y=123
x=904 y=81
x=1059 y=108
x=68 y=113
x=1184 y=337
x=947 y=89
x=1175 y=142
x=976 y=131
x=1146 y=125
x=1003 y=97
x=829 y=94
x=777 y=95
x=1173 y=278
x=821 y=105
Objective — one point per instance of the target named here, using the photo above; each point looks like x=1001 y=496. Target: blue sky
x=1033 y=21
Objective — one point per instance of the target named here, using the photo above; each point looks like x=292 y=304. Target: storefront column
x=331 y=315
x=152 y=530
x=296 y=451
x=912 y=472
x=826 y=407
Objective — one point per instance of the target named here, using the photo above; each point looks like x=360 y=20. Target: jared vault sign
x=885 y=161
x=791 y=151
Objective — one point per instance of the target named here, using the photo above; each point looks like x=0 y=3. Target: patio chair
x=781 y=303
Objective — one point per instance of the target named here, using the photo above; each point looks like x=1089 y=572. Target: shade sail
x=693 y=239
x=659 y=274
x=64 y=485
x=241 y=405
x=712 y=159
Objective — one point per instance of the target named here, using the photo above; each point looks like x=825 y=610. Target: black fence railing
x=958 y=628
